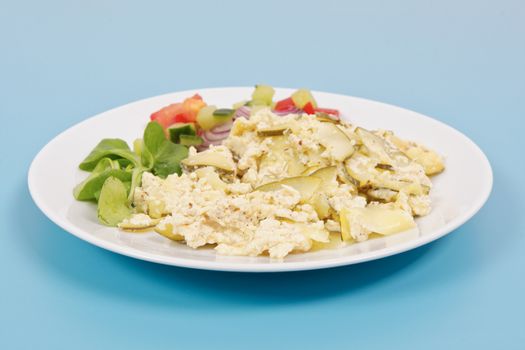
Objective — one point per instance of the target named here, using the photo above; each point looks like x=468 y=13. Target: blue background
x=462 y=62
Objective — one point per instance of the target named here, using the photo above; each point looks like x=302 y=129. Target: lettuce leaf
x=159 y=154
x=91 y=186
x=113 y=203
x=109 y=148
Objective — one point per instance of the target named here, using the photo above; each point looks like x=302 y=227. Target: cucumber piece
x=205 y=117
x=209 y=116
x=190 y=140
x=223 y=114
x=262 y=95
x=302 y=96
x=178 y=129
x=259 y=103
x=239 y=104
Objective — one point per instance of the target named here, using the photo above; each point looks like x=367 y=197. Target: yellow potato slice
x=305 y=185
x=220 y=160
x=379 y=220
x=167 y=231
x=138 y=222
x=328 y=176
x=276 y=130
x=335 y=140
x=212 y=177
x=430 y=161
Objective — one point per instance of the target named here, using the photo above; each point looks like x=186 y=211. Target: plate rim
x=278 y=266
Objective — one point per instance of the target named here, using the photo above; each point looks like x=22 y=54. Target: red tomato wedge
x=192 y=106
x=167 y=115
x=285 y=105
x=309 y=108
x=184 y=112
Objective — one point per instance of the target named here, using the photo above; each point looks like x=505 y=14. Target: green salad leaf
x=110 y=148
x=167 y=160
x=116 y=171
x=153 y=140
x=113 y=204
x=159 y=154
x=91 y=186
x=136 y=178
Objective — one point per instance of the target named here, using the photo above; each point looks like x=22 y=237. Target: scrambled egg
x=277 y=184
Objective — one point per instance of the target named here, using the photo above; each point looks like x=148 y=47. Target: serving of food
x=260 y=177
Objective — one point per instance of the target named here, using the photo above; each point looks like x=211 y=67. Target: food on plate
x=260 y=177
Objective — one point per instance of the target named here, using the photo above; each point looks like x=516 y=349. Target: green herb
x=87 y=189
x=113 y=203
x=159 y=154
x=110 y=148
x=113 y=159
x=136 y=178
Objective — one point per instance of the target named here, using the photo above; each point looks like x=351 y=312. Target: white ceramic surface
x=457 y=195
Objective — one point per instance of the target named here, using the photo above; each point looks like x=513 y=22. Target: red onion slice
x=222 y=128
x=243 y=111
x=291 y=110
x=212 y=137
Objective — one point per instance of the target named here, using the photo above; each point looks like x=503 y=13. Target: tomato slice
x=184 y=112
x=328 y=111
x=309 y=108
x=167 y=115
x=284 y=105
x=192 y=106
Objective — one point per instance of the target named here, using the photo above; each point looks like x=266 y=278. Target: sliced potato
x=344 y=177
x=305 y=185
x=138 y=222
x=294 y=166
x=413 y=188
x=275 y=152
x=335 y=140
x=167 y=231
x=315 y=159
x=380 y=149
x=428 y=159
x=212 y=177
x=379 y=220
x=211 y=157
x=374 y=145
x=311 y=169
x=321 y=205
x=361 y=168
x=328 y=176
x=325 y=119
x=276 y=130
x=156 y=209
x=334 y=243
x=315 y=234
x=344 y=220
x=280 y=152
x=382 y=194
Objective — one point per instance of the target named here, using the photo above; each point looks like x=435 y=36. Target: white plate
x=458 y=193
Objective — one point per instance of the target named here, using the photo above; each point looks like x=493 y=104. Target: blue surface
x=462 y=62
